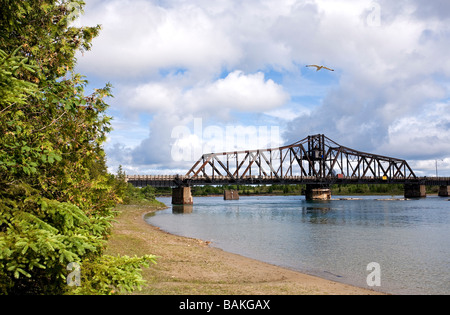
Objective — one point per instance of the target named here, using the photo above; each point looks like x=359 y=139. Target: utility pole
x=437 y=167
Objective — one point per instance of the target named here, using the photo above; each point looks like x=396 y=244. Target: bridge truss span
x=315 y=157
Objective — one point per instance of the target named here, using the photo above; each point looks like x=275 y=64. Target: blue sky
x=187 y=74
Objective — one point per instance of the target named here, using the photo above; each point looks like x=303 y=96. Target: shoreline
x=188 y=266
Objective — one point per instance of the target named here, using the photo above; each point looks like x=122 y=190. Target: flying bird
x=320 y=67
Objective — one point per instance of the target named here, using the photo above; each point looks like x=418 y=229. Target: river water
x=336 y=239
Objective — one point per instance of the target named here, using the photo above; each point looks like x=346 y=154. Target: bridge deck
x=178 y=180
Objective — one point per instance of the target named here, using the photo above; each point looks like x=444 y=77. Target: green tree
x=56 y=197
x=121 y=185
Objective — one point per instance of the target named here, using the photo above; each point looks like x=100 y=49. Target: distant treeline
x=341 y=189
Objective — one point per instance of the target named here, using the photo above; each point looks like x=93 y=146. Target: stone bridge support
x=415 y=191
x=444 y=191
x=230 y=195
x=182 y=196
x=317 y=192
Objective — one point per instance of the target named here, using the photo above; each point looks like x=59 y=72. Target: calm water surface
x=336 y=239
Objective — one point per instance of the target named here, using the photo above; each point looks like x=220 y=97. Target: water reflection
x=316 y=215
x=182 y=209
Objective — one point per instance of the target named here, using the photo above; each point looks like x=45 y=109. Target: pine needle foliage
x=56 y=197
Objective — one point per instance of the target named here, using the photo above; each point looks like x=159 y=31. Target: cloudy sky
x=199 y=76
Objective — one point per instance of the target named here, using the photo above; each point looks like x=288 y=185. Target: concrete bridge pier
x=317 y=192
x=444 y=191
x=415 y=191
x=182 y=196
x=230 y=195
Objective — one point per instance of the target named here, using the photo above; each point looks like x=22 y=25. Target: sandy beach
x=192 y=266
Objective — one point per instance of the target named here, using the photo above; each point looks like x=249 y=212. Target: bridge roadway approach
x=316 y=161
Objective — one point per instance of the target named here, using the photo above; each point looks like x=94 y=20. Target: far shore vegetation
x=344 y=189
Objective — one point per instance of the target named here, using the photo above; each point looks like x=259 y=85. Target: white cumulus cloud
x=243 y=62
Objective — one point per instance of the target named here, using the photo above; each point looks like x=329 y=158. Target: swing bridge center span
x=316 y=161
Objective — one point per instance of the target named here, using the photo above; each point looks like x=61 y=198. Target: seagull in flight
x=319 y=67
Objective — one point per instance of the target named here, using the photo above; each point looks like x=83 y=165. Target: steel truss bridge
x=314 y=160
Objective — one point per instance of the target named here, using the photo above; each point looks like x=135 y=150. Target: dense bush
x=139 y=196
x=56 y=197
